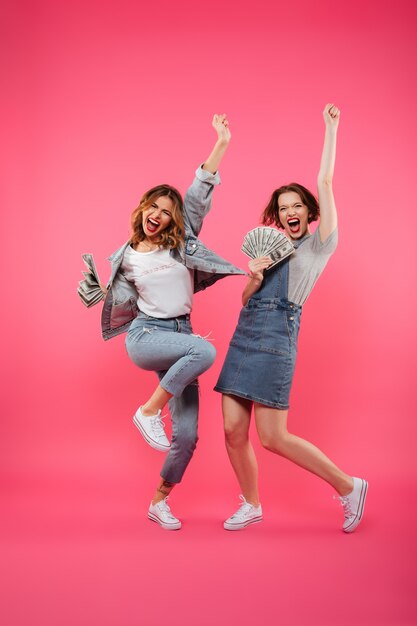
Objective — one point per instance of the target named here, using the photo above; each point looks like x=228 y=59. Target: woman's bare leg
x=272 y=429
x=162 y=491
x=237 y=414
x=156 y=402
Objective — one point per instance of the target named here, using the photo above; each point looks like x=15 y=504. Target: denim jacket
x=120 y=305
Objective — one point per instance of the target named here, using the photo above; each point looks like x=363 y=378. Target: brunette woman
x=259 y=365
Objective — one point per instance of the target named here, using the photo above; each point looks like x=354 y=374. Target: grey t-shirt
x=307 y=263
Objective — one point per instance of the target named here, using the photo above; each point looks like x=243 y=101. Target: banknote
x=89 y=289
x=267 y=241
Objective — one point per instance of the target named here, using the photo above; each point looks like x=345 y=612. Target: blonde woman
x=150 y=294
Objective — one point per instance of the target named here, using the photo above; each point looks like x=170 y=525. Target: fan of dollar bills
x=265 y=241
x=89 y=289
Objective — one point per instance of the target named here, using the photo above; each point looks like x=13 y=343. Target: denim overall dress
x=260 y=362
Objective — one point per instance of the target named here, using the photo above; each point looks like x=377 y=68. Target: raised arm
x=328 y=213
x=220 y=124
x=197 y=200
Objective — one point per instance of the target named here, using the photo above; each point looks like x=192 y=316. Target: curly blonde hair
x=173 y=235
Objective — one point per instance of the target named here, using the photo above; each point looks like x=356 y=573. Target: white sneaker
x=245 y=515
x=152 y=430
x=161 y=513
x=354 y=504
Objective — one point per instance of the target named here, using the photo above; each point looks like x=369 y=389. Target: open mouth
x=152 y=225
x=294 y=224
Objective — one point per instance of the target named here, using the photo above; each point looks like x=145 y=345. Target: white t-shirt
x=164 y=286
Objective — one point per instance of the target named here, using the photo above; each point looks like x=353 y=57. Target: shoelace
x=245 y=507
x=345 y=503
x=165 y=508
x=157 y=425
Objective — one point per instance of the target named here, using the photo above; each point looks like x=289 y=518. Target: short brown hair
x=173 y=235
x=271 y=212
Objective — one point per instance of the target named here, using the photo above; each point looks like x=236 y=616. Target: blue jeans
x=178 y=357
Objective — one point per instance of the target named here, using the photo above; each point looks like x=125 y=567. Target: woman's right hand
x=256 y=274
x=258 y=266
x=220 y=124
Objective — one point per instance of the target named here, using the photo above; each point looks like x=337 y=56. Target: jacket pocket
x=123 y=312
x=191 y=245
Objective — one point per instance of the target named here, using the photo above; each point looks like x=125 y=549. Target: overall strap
x=275 y=283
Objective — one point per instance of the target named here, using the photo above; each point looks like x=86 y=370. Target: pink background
x=102 y=100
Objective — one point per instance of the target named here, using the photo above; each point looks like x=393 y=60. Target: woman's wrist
x=222 y=142
x=331 y=129
x=256 y=280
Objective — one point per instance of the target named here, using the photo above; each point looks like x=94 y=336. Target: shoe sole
x=149 y=441
x=361 y=508
x=155 y=518
x=242 y=525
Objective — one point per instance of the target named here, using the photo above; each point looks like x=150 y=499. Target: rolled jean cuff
x=175 y=390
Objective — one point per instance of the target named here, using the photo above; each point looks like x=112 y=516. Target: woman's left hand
x=221 y=125
x=331 y=115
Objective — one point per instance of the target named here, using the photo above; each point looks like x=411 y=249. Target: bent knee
x=235 y=433
x=206 y=354
x=274 y=443
x=209 y=353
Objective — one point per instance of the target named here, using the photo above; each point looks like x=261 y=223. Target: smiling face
x=293 y=215
x=157 y=217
